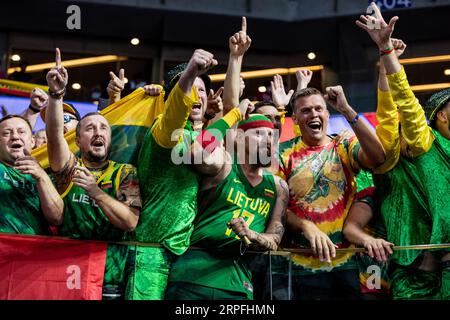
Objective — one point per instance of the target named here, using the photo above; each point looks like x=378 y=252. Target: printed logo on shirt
x=106 y=184
x=269 y=193
x=248 y=286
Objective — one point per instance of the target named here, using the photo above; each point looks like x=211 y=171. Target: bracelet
x=57 y=95
x=386 y=51
x=33 y=108
x=355 y=120
x=208 y=116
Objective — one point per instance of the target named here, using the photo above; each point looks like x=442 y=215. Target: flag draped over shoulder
x=48 y=268
x=129 y=118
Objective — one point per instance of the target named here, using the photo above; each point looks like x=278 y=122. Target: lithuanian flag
x=129 y=118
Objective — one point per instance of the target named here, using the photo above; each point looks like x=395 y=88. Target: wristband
x=211 y=137
x=386 y=51
x=33 y=108
x=57 y=95
x=355 y=120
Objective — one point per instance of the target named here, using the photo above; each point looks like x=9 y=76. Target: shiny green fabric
x=409 y=283
x=413 y=199
x=168 y=193
x=148 y=269
x=433 y=168
x=404 y=211
x=445 y=284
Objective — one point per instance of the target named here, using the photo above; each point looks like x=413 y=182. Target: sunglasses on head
x=68 y=118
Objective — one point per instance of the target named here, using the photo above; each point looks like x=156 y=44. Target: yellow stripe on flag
x=136 y=109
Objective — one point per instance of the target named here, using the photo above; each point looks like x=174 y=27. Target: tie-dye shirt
x=322 y=186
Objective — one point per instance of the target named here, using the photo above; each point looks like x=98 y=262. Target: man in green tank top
x=414 y=185
x=168 y=189
x=169 y=185
x=101 y=197
x=27 y=193
x=238 y=199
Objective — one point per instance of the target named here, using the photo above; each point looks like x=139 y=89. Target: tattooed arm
x=271 y=238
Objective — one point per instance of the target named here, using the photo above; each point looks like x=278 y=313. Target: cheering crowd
x=238 y=190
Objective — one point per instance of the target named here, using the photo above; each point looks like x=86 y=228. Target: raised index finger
x=58 y=58
x=244 y=25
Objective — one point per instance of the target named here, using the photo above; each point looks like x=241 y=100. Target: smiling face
x=312 y=116
x=16 y=140
x=94 y=138
x=198 y=110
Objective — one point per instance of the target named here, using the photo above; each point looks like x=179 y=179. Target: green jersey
x=83 y=219
x=21 y=207
x=222 y=267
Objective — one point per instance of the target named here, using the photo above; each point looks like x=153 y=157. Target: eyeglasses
x=68 y=118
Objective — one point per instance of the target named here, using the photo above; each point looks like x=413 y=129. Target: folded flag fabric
x=49 y=268
x=129 y=118
x=17 y=88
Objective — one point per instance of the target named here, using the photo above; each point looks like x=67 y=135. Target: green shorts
x=178 y=290
x=148 y=271
x=114 y=280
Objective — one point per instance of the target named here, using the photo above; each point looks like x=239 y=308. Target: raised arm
x=271 y=238
x=58 y=149
x=304 y=77
x=181 y=99
x=387 y=116
x=116 y=86
x=38 y=100
x=280 y=98
x=208 y=154
x=415 y=130
x=371 y=154
x=239 y=44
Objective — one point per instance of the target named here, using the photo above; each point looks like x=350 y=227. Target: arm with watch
x=371 y=154
x=58 y=149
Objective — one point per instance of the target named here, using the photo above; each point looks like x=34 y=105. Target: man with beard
x=101 y=197
x=419 y=178
x=168 y=187
x=28 y=195
x=320 y=171
x=235 y=189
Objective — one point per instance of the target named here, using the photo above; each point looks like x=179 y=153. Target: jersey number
x=248 y=217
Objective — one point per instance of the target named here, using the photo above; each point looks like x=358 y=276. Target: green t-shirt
x=21 y=206
x=222 y=267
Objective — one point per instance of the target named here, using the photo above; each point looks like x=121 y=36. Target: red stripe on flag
x=45 y=268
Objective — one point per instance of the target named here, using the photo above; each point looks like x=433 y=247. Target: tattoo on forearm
x=263 y=243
